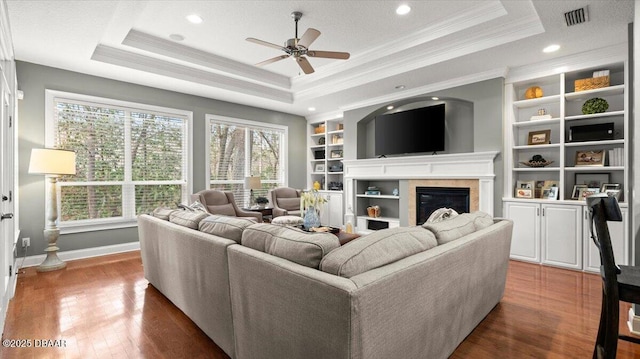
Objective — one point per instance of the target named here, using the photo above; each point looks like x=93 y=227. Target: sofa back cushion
x=459 y=226
x=162 y=213
x=187 y=218
x=290 y=204
x=293 y=244
x=226 y=226
x=222 y=209
x=377 y=249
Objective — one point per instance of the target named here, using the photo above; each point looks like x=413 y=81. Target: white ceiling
x=439 y=42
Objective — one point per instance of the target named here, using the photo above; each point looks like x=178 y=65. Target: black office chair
x=619 y=283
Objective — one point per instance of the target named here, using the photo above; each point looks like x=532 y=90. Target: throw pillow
x=226 y=226
x=441 y=214
x=187 y=218
x=288 y=220
x=290 y=243
x=377 y=249
x=452 y=229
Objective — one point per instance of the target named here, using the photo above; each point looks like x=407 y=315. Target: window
x=241 y=148
x=130 y=159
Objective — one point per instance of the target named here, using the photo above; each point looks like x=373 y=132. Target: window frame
x=128 y=219
x=250 y=125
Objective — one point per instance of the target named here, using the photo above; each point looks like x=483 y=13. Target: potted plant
x=262 y=202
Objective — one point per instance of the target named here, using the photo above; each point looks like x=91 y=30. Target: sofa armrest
x=243 y=213
x=277 y=212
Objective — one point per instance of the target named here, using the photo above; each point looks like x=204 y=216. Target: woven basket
x=592 y=83
x=319 y=129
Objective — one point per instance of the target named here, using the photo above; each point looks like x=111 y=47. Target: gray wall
x=34 y=79
x=487 y=99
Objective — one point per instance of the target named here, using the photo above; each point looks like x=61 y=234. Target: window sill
x=93 y=226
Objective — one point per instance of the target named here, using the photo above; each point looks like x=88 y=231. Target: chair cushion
x=288 y=220
x=162 y=213
x=223 y=209
x=290 y=243
x=290 y=204
x=226 y=226
x=377 y=249
x=459 y=226
x=187 y=218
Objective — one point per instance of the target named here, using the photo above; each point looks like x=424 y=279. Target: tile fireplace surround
x=469 y=170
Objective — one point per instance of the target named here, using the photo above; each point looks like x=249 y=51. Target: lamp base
x=52 y=262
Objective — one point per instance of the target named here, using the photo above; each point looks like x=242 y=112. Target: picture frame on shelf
x=319 y=167
x=550 y=193
x=525 y=184
x=592 y=180
x=590 y=158
x=613 y=193
x=612 y=189
x=525 y=189
x=575 y=194
x=539 y=187
x=586 y=192
x=336 y=154
x=539 y=137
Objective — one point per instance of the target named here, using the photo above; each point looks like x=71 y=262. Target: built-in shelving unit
x=386 y=200
x=326 y=140
x=556 y=231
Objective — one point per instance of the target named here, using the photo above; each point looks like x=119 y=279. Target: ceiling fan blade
x=308 y=37
x=277 y=58
x=264 y=43
x=329 y=54
x=304 y=65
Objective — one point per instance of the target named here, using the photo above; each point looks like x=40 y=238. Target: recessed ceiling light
x=194 y=19
x=389 y=107
x=176 y=37
x=551 y=48
x=340 y=115
x=311 y=109
x=434 y=98
x=403 y=9
x=400 y=87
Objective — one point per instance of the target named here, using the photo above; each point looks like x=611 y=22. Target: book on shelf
x=616 y=157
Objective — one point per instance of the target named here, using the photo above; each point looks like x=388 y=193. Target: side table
x=266 y=212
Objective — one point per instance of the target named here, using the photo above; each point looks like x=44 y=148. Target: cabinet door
x=562 y=235
x=619 y=241
x=525 y=242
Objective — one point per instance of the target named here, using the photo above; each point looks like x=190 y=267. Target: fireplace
x=428 y=199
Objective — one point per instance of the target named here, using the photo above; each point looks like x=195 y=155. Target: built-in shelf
x=382 y=196
x=537 y=101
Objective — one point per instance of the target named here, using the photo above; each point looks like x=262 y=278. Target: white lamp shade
x=51 y=161
x=252 y=183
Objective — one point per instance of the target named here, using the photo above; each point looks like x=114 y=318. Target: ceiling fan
x=299 y=47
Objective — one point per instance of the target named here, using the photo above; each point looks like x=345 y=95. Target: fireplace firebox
x=428 y=199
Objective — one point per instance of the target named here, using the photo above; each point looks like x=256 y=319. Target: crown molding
x=218 y=64
x=119 y=57
x=6 y=46
x=325 y=116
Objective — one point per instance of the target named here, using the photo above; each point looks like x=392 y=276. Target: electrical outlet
x=26 y=242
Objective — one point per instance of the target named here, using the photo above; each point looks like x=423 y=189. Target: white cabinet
x=619 y=233
x=561 y=235
x=525 y=241
x=332 y=212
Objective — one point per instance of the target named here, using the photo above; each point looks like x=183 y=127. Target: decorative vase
x=311 y=218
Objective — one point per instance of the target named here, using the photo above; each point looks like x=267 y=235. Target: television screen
x=412 y=131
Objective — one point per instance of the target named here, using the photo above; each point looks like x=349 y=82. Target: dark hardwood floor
x=104 y=308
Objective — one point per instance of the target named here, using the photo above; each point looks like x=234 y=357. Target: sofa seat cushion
x=288 y=220
x=290 y=243
x=377 y=249
x=187 y=218
x=290 y=204
x=459 y=226
x=226 y=226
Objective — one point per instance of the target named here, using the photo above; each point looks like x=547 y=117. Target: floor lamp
x=252 y=183
x=52 y=163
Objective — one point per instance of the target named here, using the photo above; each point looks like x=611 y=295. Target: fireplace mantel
x=473 y=166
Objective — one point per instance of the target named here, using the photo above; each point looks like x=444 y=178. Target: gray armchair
x=219 y=202
x=285 y=201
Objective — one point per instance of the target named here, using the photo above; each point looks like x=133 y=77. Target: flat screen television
x=412 y=131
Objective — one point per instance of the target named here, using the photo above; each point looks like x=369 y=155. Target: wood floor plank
x=104 y=308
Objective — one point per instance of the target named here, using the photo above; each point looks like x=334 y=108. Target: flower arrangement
x=311 y=199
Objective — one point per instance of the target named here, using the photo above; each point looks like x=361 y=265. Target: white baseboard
x=634 y=322
x=33 y=261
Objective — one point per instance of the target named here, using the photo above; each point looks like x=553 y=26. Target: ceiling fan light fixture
x=194 y=19
x=403 y=9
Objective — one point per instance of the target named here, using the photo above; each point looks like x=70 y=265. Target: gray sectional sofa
x=268 y=291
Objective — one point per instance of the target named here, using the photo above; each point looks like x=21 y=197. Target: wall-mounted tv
x=411 y=131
